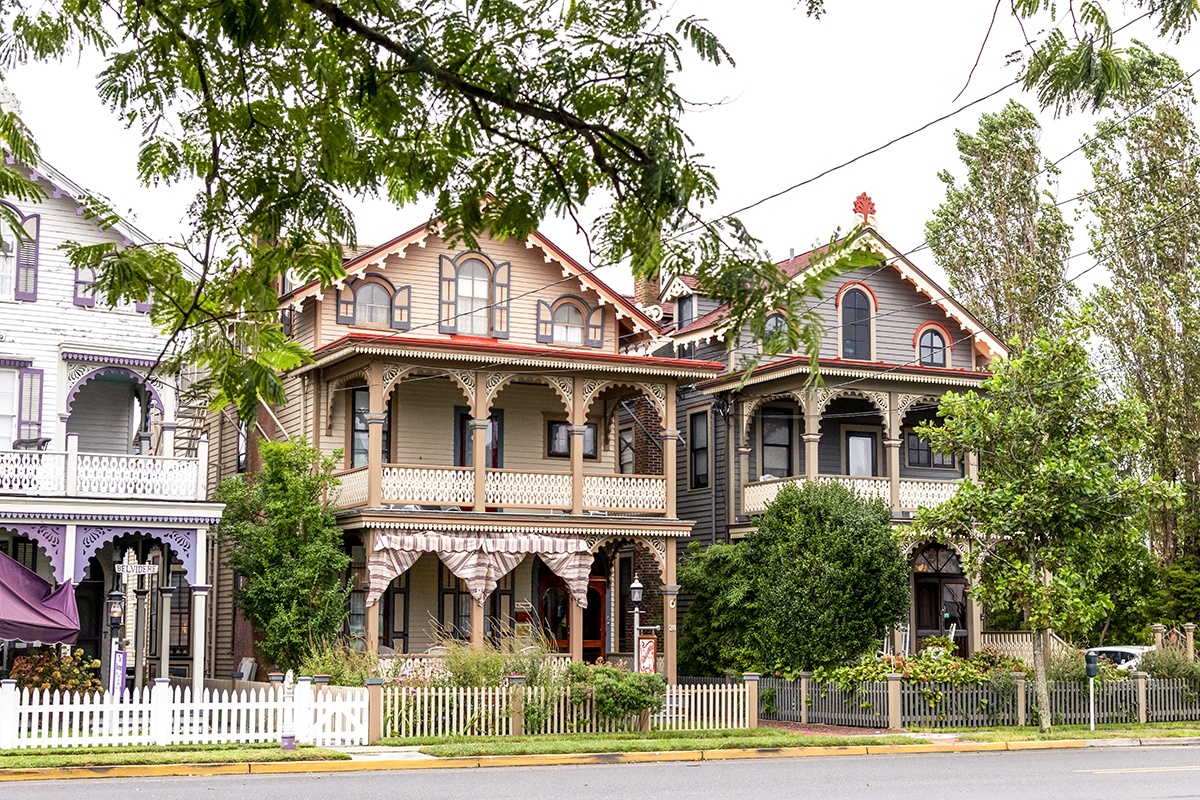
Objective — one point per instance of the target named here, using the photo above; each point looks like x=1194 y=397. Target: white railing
x=32 y=473
x=151 y=477
x=430 y=485
x=513 y=488
x=353 y=491
x=916 y=494
x=1019 y=644
x=73 y=474
x=167 y=715
x=625 y=493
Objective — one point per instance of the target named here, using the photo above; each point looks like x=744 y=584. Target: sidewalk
x=402 y=758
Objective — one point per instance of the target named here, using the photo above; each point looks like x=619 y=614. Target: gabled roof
x=679 y=286
x=714 y=322
x=398 y=246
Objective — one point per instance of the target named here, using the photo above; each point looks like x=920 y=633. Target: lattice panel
x=137 y=476
x=624 y=493
x=353 y=488
x=552 y=489
x=423 y=485
x=34 y=473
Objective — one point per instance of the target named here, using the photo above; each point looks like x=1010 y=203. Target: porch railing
x=75 y=474
x=432 y=485
x=354 y=487
x=914 y=493
x=631 y=493
x=519 y=489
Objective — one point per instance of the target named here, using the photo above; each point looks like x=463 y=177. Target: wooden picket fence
x=865 y=706
x=412 y=712
x=933 y=705
x=696 y=708
x=1116 y=702
x=1172 y=700
x=167 y=715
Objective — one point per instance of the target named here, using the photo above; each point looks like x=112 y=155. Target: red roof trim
x=492 y=346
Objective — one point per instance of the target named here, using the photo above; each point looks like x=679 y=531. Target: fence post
x=1189 y=632
x=804 y=687
x=374 y=710
x=1019 y=677
x=302 y=710
x=516 y=703
x=1139 y=683
x=9 y=700
x=72 y=476
x=160 y=712
x=1159 y=629
x=751 y=680
x=893 y=696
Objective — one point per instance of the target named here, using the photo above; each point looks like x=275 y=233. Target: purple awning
x=31 y=610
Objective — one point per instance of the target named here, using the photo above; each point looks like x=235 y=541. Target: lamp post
x=635 y=597
x=115 y=611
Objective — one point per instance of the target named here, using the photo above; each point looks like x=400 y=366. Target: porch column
x=166 y=441
x=140 y=645
x=743 y=452
x=165 y=594
x=812 y=435
x=670 y=439
x=670 y=592
x=575 y=629
x=893 y=467
x=199 y=601
x=974 y=626
x=973 y=466
x=576 y=432
x=372 y=612
x=376 y=417
x=68 y=556
x=476 y=624
x=479 y=429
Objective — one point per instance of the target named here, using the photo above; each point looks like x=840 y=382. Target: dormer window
x=856 y=325
x=474 y=295
x=568 y=324
x=775 y=325
x=686 y=307
x=372 y=305
x=931 y=349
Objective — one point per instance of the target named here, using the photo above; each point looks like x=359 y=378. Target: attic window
x=372 y=305
x=568 y=324
x=687 y=311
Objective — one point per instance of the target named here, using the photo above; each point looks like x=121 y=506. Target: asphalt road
x=1145 y=773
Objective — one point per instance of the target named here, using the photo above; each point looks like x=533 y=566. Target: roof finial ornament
x=864 y=210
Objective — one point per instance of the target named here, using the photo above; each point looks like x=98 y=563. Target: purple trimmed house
x=101 y=457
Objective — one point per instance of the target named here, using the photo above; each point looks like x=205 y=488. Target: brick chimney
x=646 y=290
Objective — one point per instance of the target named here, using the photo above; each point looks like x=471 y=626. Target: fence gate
x=339 y=717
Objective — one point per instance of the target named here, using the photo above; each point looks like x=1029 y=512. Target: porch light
x=635 y=591
x=116 y=610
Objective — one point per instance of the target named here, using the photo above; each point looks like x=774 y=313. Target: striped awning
x=481 y=561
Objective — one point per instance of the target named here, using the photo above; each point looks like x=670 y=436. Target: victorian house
x=100 y=457
x=894 y=343
x=489 y=486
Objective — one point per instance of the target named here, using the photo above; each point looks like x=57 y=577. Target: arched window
x=856 y=325
x=568 y=324
x=474 y=296
x=372 y=305
x=932 y=349
x=775 y=324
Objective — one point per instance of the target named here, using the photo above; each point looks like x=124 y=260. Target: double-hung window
x=558 y=440
x=698 y=471
x=474 y=298
x=777 y=456
x=360 y=429
x=8 y=408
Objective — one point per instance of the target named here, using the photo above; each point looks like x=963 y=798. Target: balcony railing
x=509 y=489
x=914 y=493
x=74 y=474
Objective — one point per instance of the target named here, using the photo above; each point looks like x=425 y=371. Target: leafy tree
x=1052 y=495
x=1181 y=591
x=500 y=111
x=1077 y=64
x=817 y=584
x=1146 y=228
x=279 y=534
x=999 y=236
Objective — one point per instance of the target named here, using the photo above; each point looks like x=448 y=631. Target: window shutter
x=285 y=320
x=400 y=308
x=345 y=305
x=29 y=418
x=84 y=278
x=27 y=262
x=447 y=322
x=142 y=308
x=545 y=322
x=595 y=327
x=500 y=287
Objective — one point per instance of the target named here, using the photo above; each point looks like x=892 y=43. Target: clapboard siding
x=697 y=504
x=103 y=417
x=533 y=278
x=41 y=330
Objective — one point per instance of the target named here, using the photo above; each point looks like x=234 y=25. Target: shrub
x=46 y=670
x=936 y=664
x=338 y=659
x=1070 y=665
x=617 y=693
x=1170 y=662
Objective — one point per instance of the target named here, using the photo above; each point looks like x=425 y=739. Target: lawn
x=636 y=742
x=179 y=754
x=1158 y=730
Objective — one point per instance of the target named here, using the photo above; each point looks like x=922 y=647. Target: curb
x=565 y=759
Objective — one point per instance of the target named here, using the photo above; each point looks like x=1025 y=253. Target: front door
x=554 y=609
x=941 y=608
x=593 y=620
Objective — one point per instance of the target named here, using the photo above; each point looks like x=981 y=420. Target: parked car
x=1123 y=657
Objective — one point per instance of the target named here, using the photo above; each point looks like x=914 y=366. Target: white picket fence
x=167 y=715
x=419 y=712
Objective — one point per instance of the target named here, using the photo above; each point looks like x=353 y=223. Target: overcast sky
x=804 y=96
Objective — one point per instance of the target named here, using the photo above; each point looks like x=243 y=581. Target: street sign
x=647 y=654
x=137 y=569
